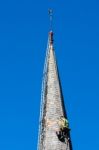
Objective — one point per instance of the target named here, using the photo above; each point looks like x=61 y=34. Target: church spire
x=52 y=104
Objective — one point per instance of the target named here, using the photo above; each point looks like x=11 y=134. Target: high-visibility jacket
x=63 y=123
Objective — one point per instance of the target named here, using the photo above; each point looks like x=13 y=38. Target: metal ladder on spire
x=43 y=94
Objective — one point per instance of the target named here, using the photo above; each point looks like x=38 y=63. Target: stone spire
x=52 y=104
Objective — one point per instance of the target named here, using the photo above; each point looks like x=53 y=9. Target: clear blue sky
x=24 y=26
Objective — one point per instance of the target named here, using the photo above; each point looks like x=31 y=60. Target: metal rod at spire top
x=50 y=11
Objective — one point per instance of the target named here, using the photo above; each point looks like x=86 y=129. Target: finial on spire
x=50 y=11
x=51 y=37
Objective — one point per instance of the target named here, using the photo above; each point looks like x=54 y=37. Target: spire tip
x=51 y=37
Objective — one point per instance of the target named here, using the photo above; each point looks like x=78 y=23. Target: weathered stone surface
x=52 y=108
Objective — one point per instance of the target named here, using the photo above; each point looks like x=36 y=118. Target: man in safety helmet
x=63 y=128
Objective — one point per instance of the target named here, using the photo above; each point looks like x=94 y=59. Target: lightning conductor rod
x=50 y=11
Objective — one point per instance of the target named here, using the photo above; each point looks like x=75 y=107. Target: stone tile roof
x=52 y=106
